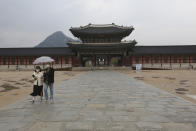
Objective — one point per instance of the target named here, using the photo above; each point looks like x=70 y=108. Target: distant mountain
x=57 y=39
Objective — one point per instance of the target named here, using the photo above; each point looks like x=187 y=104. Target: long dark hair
x=38 y=67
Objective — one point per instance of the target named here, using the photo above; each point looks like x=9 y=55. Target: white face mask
x=37 y=70
x=47 y=66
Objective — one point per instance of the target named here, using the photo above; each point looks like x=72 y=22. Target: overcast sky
x=25 y=23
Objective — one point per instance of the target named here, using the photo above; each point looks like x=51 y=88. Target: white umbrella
x=43 y=59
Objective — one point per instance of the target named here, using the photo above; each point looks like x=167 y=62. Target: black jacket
x=49 y=76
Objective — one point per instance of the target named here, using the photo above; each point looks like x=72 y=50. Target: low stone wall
x=59 y=66
x=30 y=67
x=100 y=68
x=170 y=66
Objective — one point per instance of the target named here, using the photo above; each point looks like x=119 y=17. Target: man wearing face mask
x=37 y=84
x=49 y=82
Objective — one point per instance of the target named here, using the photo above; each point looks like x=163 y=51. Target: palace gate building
x=102 y=46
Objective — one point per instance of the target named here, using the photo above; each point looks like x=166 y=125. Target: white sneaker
x=51 y=101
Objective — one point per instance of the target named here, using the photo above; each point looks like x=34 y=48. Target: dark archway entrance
x=87 y=61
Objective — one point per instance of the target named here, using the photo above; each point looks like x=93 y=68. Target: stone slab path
x=102 y=101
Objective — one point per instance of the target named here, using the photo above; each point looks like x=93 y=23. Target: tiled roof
x=175 y=49
x=35 y=51
x=107 y=30
x=103 y=25
x=137 y=50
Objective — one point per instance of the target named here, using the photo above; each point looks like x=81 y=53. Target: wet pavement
x=102 y=101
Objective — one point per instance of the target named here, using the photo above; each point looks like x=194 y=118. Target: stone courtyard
x=102 y=101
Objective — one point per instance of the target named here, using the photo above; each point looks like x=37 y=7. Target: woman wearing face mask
x=37 y=84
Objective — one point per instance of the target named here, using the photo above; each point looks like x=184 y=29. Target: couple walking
x=45 y=78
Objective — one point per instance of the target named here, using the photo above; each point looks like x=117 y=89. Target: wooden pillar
x=8 y=62
x=72 y=59
x=170 y=60
x=94 y=57
x=76 y=61
x=69 y=60
x=26 y=62
x=17 y=61
x=126 y=59
x=123 y=60
x=109 y=58
x=61 y=61
x=105 y=61
x=129 y=60
x=133 y=60
x=189 y=60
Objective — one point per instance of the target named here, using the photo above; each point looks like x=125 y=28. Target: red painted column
x=8 y=61
x=140 y=60
x=70 y=60
x=151 y=60
x=191 y=59
x=133 y=59
x=18 y=60
x=61 y=61
x=130 y=59
x=25 y=61
x=76 y=61
x=170 y=60
x=123 y=61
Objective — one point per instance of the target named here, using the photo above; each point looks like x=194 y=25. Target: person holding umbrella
x=37 y=84
x=49 y=82
x=48 y=76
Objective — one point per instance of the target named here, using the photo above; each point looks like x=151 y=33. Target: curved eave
x=103 y=31
x=102 y=25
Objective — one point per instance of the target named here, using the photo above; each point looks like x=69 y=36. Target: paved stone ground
x=102 y=101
